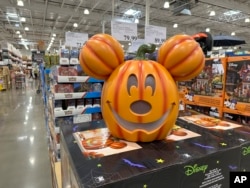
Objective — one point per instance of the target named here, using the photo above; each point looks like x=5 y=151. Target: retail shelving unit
x=65 y=107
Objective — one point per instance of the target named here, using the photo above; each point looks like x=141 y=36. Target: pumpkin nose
x=140 y=107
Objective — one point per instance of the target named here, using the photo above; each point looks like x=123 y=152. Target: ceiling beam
x=228 y=4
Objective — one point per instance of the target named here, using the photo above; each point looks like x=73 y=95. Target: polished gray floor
x=24 y=157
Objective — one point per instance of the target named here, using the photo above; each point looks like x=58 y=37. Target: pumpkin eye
x=150 y=81
x=132 y=81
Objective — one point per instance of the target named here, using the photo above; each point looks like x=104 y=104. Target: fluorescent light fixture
x=18 y=32
x=212 y=13
x=17 y=25
x=22 y=19
x=166 y=4
x=233 y=33
x=12 y=15
x=129 y=43
x=75 y=25
x=207 y=30
x=186 y=12
x=20 y=3
x=132 y=12
x=26 y=47
x=231 y=12
x=53 y=38
x=247 y=20
x=54 y=35
x=26 y=29
x=175 y=25
x=86 y=11
x=136 y=20
x=20 y=36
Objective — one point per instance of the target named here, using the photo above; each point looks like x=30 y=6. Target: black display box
x=204 y=161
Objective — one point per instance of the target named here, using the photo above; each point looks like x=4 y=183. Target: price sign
x=82 y=118
x=155 y=34
x=135 y=45
x=73 y=39
x=123 y=31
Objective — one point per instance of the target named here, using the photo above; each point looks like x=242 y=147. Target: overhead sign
x=155 y=34
x=123 y=31
x=73 y=39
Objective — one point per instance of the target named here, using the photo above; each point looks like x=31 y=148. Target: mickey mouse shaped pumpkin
x=140 y=98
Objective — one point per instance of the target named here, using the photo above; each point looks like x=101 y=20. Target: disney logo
x=246 y=150
x=195 y=169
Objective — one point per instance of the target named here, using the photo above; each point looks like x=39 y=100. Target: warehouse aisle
x=24 y=154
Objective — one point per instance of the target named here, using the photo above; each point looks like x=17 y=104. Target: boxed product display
x=237 y=91
x=64 y=88
x=200 y=161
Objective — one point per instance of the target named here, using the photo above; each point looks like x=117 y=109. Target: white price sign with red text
x=155 y=34
x=123 y=31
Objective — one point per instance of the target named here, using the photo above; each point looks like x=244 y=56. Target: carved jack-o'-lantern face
x=139 y=101
x=139 y=98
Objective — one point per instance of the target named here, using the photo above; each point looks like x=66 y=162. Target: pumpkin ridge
x=167 y=53
x=194 y=70
x=104 y=41
x=165 y=96
x=91 y=70
x=184 y=58
x=118 y=85
x=102 y=61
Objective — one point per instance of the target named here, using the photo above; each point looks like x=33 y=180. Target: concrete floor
x=24 y=157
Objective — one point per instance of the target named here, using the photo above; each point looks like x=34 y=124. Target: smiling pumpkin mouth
x=131 y=126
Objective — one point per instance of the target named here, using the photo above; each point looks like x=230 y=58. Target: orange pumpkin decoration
x=139 y=99
x=182 y=56
x=100 y=55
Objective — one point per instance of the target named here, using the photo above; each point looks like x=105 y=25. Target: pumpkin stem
x=143 y=49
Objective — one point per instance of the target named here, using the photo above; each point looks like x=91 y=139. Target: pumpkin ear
x=182 y=56
x=100 y=55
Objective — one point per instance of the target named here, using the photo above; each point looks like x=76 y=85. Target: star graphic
x=159 y=160
x=99 y=165
x=223 y=144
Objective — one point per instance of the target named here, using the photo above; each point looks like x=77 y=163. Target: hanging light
x=22 y=19
x=136 y=20
x=233 y=33
x=175 y=25
x=18 y=32
x=54 y=35
x=247 y=20
x=75 y=25
x=26 y=29
x=207 y=29
x=166 y=4
x=212 y=13
x=86 y=11
x=20 y=3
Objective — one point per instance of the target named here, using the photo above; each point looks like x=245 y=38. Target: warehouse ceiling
x=47 y=17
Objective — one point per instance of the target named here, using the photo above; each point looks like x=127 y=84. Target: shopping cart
x=20 y=81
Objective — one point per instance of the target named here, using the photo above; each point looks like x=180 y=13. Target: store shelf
x=58 y=174
x=73 y=112
x=79 y=95
x=243 y=112
x=74 y=79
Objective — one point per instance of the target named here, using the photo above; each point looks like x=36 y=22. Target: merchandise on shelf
x=237 y=91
